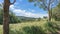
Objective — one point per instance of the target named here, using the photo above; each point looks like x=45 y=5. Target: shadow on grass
x=15 y=32
x=28 y=30
x=52 y=27
x=33 y=30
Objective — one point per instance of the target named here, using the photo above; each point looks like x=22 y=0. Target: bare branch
x=13 y=2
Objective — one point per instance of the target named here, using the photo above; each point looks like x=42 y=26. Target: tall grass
x=37 y=27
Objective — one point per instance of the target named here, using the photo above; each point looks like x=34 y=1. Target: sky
x=27 y=9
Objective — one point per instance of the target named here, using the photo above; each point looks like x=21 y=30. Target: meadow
x=35 y=27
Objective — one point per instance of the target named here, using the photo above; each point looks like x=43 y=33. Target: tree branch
x=13 y=2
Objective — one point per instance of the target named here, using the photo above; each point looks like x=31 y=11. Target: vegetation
x=37 y=27
x=56 y=13
x=45 y=5
x=28 y=25
x=13 y=18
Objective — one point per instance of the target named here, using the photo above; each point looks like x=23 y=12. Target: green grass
x=36 y=27
x=1 y=31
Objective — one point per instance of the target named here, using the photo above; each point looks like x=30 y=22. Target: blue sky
x=25 y=8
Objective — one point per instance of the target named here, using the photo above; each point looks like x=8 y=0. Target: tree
x=45 y=17
x=39 y=19
x=56 y=13
x=46 y=5
x=12 y=16
x=6 y=16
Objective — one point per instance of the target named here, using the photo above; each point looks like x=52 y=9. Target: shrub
x=52 y=27
x=33 y=30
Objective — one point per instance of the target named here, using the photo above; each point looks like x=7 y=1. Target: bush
x=33 y=30
x=52 y=27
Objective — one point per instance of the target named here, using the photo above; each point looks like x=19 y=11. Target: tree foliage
x=56 y=13
x=46 y=5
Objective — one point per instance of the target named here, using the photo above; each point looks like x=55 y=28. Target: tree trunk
x=6 y=17
x=49 y=16
x=49 y=11
x=6 y=21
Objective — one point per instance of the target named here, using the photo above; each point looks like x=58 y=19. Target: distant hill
x=23 y=18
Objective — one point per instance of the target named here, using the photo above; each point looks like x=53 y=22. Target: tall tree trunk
x=49 y=11
x=6 y=16
x=49 y=16
x=6 y=21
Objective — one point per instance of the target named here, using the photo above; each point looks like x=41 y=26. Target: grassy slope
x=19 y=26
x=0 y=29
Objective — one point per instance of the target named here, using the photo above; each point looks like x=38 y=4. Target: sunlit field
x=17 y=28
x=35 y=27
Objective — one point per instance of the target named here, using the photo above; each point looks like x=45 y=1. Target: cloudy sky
x=27 y=9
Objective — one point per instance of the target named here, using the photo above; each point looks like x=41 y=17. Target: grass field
x=36 y=27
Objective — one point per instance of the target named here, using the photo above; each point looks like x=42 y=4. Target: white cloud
x=12 y=7
x=26 y=13
x=20 y=12
x=31 y=10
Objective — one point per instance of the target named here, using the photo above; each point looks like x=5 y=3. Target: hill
x=23 y=18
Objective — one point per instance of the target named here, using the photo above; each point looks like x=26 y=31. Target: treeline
x=17 y=19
